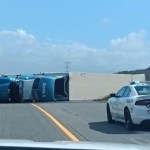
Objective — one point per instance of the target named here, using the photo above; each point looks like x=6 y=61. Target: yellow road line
x=66 y=131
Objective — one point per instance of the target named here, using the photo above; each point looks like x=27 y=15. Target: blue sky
x=89 y=26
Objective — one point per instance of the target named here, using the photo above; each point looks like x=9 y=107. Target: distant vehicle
x=50 y=88
x=4 y=88
x=130 y=105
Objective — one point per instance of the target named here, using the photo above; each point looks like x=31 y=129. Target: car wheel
x=128 y=121
x=109 y=116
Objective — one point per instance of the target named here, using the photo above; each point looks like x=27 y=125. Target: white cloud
x=106 y=21
x=21 y=32
x=20 y=52
x=133 y=42
x=131 y=52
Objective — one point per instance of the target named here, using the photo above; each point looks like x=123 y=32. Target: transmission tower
x=67 y=65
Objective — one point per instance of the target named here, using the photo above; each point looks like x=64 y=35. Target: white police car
x=130 y=105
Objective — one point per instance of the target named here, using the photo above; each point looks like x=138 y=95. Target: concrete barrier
x=89 y=86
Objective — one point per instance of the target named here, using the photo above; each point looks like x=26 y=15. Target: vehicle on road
x=20 y=90
x=50 y=88
x=130 y=105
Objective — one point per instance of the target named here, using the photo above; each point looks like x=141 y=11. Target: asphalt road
x=23 y=121
x=86 y=120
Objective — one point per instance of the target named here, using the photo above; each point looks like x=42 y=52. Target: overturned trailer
x=51 y=87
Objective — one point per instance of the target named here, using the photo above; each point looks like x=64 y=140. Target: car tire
x=128 y=121
x=109 y=116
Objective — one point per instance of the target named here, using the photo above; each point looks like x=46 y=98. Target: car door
x=114 y=102
x=121 y=102
x=113 y=106
x=119 y=99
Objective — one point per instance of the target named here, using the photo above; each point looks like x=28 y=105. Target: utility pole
x=67 y=65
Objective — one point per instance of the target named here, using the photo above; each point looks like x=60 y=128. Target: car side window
x=121 y=92
x=127 y=92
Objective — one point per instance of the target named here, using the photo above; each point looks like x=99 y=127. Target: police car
x=130 y=105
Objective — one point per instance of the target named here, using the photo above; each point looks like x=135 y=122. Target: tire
x=109 y=116
x=128 y=121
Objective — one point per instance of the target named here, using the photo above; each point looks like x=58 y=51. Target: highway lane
x=87 y=121
x=23 y=121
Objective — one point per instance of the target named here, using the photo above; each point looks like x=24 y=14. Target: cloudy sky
x=102 y=36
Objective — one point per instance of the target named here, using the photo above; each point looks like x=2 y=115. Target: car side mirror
x=112 y=95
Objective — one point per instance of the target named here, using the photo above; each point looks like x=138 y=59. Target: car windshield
x=143 y=90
